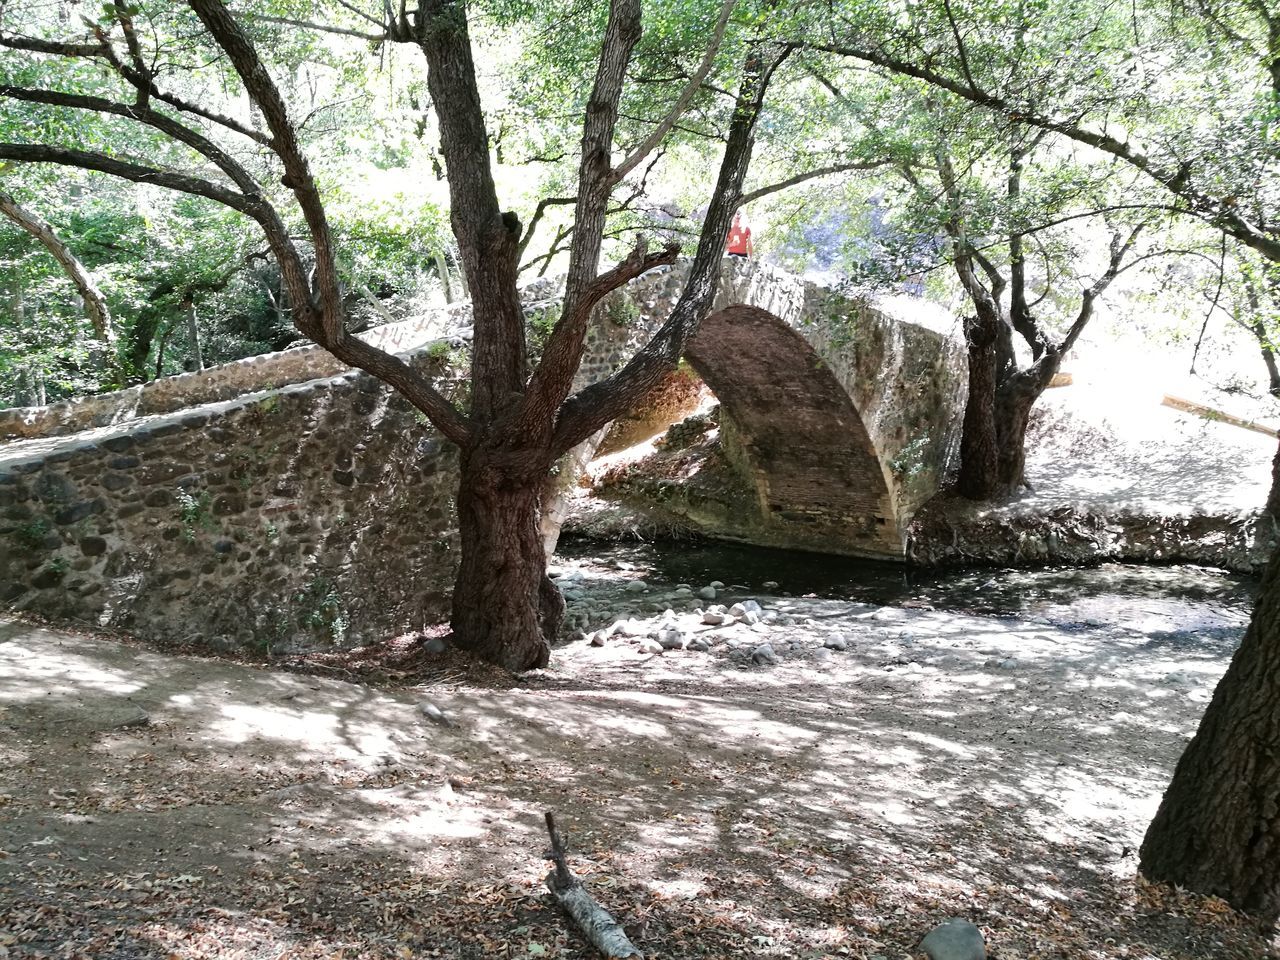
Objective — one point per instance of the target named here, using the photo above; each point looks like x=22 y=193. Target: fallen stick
x=596 y=923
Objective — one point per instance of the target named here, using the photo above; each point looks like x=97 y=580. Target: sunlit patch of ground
x=832 y=806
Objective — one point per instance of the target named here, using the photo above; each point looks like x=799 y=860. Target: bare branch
x=145 y=115
x=95 y=303
x=360 y=13
x=57 y=48
x=691 y=88
x=537 y=217
x=811 y=175
x=318 y=27
x=1120 y=249
x=141 y=80
x=135 y=50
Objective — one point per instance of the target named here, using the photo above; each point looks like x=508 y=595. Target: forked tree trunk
x=1014 y=400
x=979 y=445
x=505 y=609
x=1218 y=828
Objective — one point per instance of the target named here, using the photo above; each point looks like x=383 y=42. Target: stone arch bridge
x=285 y=501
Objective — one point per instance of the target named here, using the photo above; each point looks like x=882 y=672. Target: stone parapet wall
x=269 y=371
x=319 y=515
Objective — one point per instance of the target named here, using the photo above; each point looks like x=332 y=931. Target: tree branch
x=145 y=115
x=810 y=175
x=593 y=407
x=284 y=142
x=553 y=378
x=138 y=173
x=660 y=132
x=95 y=304
x=538 y=212
x=57 y=48
x=318 y=27
x=1219 y=212
x=1119 y=250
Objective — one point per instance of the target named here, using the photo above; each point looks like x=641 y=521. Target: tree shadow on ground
x=818 y=808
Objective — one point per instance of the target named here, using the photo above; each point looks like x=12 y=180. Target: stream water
x=1161 y=601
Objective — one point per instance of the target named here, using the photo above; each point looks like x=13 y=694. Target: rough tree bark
x=1218 y=827
x=993 y=438
x=979 y=442
x=1268 y=359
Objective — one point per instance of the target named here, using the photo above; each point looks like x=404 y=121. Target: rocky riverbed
x=632 y=607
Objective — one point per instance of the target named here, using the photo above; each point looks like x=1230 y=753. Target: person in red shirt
x=739 y=243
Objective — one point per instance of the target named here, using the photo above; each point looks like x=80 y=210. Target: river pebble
x=764 y=655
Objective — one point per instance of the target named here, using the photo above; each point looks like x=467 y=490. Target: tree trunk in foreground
x=1218 y=828
x=505 y=609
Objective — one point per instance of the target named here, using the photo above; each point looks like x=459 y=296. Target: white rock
x=435 y=714
x=628 y=628
x=671 y=639
x=714 y=617
x=649 y=646
x=836 y=642
x=717 y=584
x=707 y=593
x=636 y=586
x=764 y=655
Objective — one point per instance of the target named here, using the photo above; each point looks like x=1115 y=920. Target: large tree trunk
x=1273 y=498
x=1218 y=828
x=979 y=444
x=505 y=608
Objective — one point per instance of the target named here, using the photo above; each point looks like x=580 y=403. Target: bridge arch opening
x=790 y=427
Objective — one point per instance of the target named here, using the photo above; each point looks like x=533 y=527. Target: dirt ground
x=834 y=804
